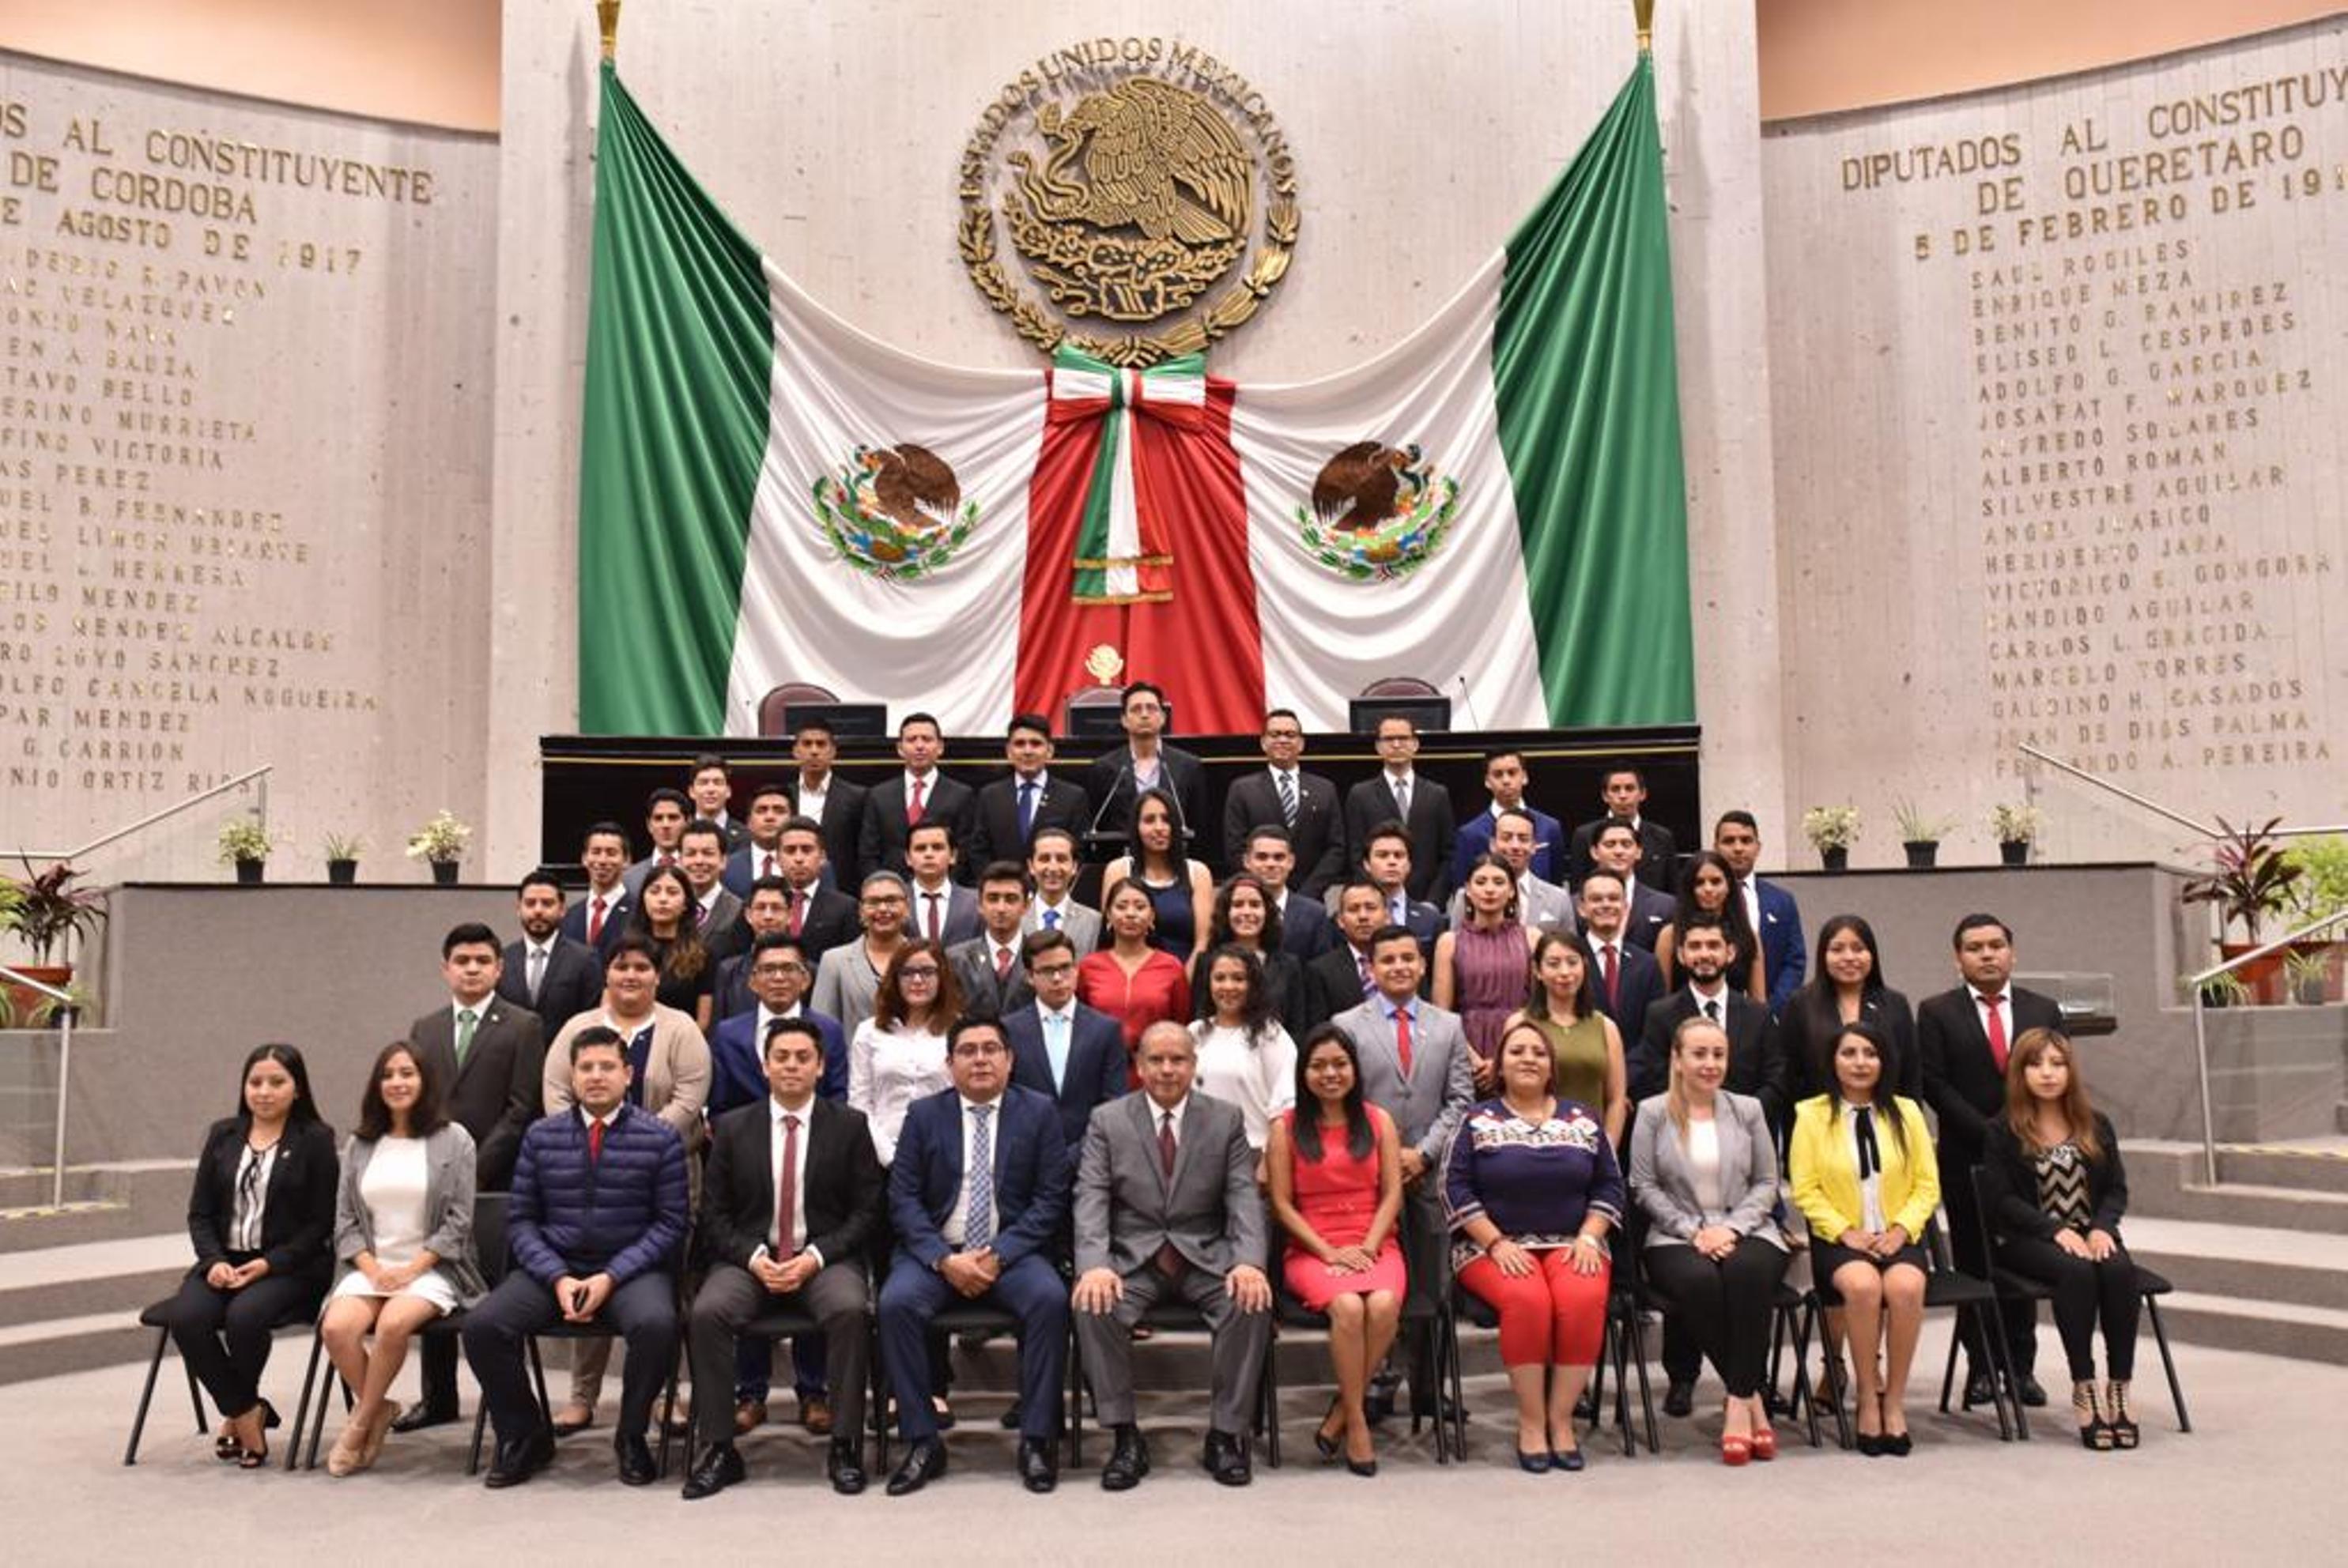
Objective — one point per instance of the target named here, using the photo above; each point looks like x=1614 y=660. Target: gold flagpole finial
x=607 y=17
x=1644 y=12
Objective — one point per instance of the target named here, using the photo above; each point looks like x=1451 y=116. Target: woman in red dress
x=1133 y=982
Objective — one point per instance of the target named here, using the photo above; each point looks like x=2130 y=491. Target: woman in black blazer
x=2053 y=1190
x=261 y=1217
x=1847 y=986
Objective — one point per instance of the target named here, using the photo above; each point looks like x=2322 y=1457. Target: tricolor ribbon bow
x=1122 y=559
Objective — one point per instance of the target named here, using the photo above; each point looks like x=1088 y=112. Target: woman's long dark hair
x=1886 y=1090
x=1255 y=1012
x=683 y=958
x=304 y=1110
x=889 y=1008
x=1361 y=1138
x=1821 y=1013
x=1178 y=858
x=1742 y=941
x=429 y=1114
x=1585 y=1000
x=1219 y=924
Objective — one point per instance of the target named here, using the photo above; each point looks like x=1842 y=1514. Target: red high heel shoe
x=1764 y=1443
x=1736 y=1451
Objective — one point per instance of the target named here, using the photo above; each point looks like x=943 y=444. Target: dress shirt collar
x=1158 y=1114
x=777 y=1110
x=479 y=1010
x=969 y=1105
x=1390 y=1007
x=928 y=781
x=1718 y=993
x=609 y=1117
x=1066 y=1015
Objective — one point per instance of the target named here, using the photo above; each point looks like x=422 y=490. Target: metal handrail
x=149 y=821
x=2201 y=1022
x=2206 y=830
x=64 y=1016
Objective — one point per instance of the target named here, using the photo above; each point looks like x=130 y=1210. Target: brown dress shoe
x=814 y=1415
x=748 y=1415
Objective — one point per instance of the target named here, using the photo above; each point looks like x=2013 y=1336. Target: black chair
x=1787 y=1320
x=1169 y=1318
x=788 y=1320
x=159 y=1318
x=1973 y=1300
x=2014 y=1287
x=1622 y=1341
x=959 y=1317
x=1288 y=1313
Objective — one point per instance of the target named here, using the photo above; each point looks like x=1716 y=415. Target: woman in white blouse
x=403 y=1241
x=899 y=1054
x=1245 y=1058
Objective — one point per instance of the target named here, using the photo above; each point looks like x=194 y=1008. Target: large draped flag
x=1495 y=505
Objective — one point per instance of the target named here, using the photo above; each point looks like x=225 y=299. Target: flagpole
x=1642 y=12
x=607 y=18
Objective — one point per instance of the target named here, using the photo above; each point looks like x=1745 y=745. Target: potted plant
x=1920 y=834
x=343 y=858
x=441 y=842
x=244 y=843
x=1831 y=830
x=2308 y=975
x=2016 y=827
x=23 y=1009
x=2251 y=881
x=2218 y=990
x=2322 y=891
x=46 y=911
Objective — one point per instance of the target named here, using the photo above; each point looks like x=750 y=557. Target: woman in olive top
x=1586 y=1046
x=1863 y=1174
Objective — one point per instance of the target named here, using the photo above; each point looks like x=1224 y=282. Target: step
x=2249 y=1263
x=2273 y=1328
x=2166 y=1180
x=104 y=1202
x=2311 y=1165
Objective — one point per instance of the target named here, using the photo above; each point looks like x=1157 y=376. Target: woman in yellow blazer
x=1862 y=1171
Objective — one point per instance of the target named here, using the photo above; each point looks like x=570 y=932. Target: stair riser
x=2217 y=1205
x=2225 y=1331
x=2249 y=1281
x=2306 y=1172
x=139 y=1204
x=129 y=1293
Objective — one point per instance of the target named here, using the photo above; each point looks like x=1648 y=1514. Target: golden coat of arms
x=1127 y=175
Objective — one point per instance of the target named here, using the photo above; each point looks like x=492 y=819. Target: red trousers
x=1550 y=1316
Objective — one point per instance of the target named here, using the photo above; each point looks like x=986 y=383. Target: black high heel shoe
x=2094 y=1433
x=2125 y=1434
x=1329 y=1445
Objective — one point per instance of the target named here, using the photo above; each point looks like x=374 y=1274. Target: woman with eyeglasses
x=899 y=1054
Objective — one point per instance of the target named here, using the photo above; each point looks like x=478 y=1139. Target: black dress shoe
x=1010 y=1419
x=924 y=1463
x=1679 y=1399
x=1226 y=1459
x=720 y=1466
x=1981 y=1389
x=2034 y=1393
x=418 y=1417
x=1129 y=1462
x=1585 y=1408
x=1038 y=1470
x=517 y=1461
x=635 y=1456
x=844 y=1464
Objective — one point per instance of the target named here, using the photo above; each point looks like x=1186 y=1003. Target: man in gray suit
x=1415 y=1064
x=1052 y=862
x=1539 y=903
x=701 y=855
x=1166 y=1205
x=993 y=976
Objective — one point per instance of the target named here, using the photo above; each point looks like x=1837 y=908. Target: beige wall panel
x=2080 y=488
x=246 y=436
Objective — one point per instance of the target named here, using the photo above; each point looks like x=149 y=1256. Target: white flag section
x=1460 y=619
x=835 y=606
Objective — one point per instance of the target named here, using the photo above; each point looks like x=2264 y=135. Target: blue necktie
x=1026 y=808
x=978 y=1222
x=1051 y=919
x=1055 y=1047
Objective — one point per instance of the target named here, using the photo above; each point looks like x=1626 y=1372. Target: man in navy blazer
x=1504 y=780
x=762 y=855
x=978 y=1193
x=547 y=972
x=602 y=913
x=1768 y=908
x=1636 y=980
x=1007 y=813
x=1089 y=1066
x=778 y=983
x=1306 y=931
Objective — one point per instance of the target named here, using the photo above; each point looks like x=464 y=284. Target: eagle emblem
x=1377 y=512
x=895 y=512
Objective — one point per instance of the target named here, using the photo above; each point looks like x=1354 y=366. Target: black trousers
x=642 y=1312
x=2020 y=1317
x=2084 y=1291
x=224 y=1335
x=1722 y=1309
x=731 y=1296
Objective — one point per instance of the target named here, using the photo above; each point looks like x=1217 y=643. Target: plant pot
x=1835 y=858
x=24 y=1003
x=1921 y=852
x=342 y=873
x=444 y=873
x=2264 y=978
x=249 y=872
x=2013 y=852
x=2310 y=992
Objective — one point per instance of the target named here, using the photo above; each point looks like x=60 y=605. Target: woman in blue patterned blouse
x=1532 y=1188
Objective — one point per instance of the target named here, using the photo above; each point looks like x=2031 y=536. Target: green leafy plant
x=441 y=839
x=343 y=846
x=2252 y=879
x=2308 y=973
x=1915 y=827
x=1831 y=826
x=2015 y=824
x=44 y=908
x=244 y=839
x=40 y=1011
x=2322 y=886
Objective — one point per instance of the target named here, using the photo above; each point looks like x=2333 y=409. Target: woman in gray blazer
x=1703 y=1171
x=403 y=1240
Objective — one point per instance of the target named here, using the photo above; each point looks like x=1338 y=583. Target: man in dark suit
x=1753 y=1068
x=1964 y=1036
x=1769 y=909
x=770 y=808
x=943 y=909
x=546 y=971
x=1061 y=1048
x=1647 y=910
x=667 y=813
x=977 y=1193
x=1389 y=863
x=1145 y=761
x=988 y=966
x=1341 y=978
x=489 y=1053
x=1284 y=795
x=1422 y=805
x=1504 y=779
x=822 y=918
x=1008 y=812
x=903 y=801
x=765 y=909
x=791 y=1200
x=711 y=790
x=1625 y=791
x=831 y=803
x=1627 y=977
x=1306 y=931
x=603 y=911
x=701 y=855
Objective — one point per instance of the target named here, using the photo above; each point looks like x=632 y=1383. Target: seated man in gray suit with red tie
x=1166 y=1207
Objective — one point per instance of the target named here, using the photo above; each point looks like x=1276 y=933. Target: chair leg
x=195 y=1398
x=1597 y=1385
x=146 y=1396
x=1646 y=1392
x=668 y=1408
x=1949 y=1373
x=1803 y=1406
x=1614 y=1343
x=313 y=1389
x=481 y=1428
x=2167 y=1364
x=1268 y=1416
x=2001 y=1380
x=1832 y=1365
x=537 y=1377
x=1075 y=1444
x=880 y=1403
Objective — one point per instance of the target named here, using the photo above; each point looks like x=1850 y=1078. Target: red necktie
x=1993 y=1022
x=1610 y=975
x=787 y=1192
x=931 y=900
x=770 y=871
x=595 y=922
x=913 y=807
x=799 y=903
x=1402 y=1039
x=1169 y=1257
x=595 y=1141
x=1003 y=966
x=1362 y=963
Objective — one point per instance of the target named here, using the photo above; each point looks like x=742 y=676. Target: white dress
x=1259 y=1078
x=393 y=1189
x=888 y=1069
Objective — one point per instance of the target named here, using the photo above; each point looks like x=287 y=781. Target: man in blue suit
x=1627 y=978
x=1306 y=929
x=1071 y=1055
x=1736 y=838
x=978 y=1193
x=1504 y=780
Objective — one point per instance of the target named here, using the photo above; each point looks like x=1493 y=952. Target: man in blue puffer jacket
x=596 y=1222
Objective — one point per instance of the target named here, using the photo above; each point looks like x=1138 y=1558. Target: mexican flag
x=1494 y=505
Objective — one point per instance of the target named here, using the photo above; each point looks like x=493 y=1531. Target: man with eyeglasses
x=1072 y=1054
x=1399 y=794
x=848 y=981
x=1115 y=779
x=1283 y=796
